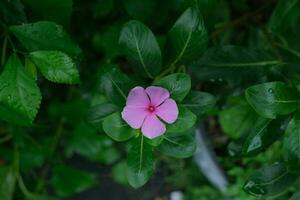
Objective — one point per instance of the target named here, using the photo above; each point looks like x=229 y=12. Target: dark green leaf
x=7 y=183
x=140 y=164
x=199 y=102
x=270 y=181
x=97 y=113
x=45 y=35
x=231 y=62
x=52 y=10
x=67 y=181
x=114 y=84
x=178 y=85
x=186 y=119
x=296 y=196
x=187 y=39
x=12 y=12
x=181 y=145
x=116 y=128
x=56 y=66
x=272 y=99
x=141 y=48
x=20 y=97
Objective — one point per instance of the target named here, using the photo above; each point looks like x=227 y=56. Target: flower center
x=151 y=108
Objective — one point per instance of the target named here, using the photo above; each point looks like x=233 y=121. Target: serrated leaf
x=140 y=164
x=186 y=119
x=178 y=85
x=187 y=39
x=116 y=128
x=270 y=181
x=56 y=66
x=44 y=35
x=20 y=97
x=141 y=48
x=272 y=99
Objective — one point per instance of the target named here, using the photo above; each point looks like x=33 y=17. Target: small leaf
x=186 y=119
x=7 y=183
x=56 y=66
x=141 y=48
x=272 y=99
x=114 y=84
x=45 y=35
x=199 y=102
x=270 y=181
x=97 y=113
x=67 y=181
x=178 y=85
x=20 y=97
x=187 y=39
x=181 y=145
x=116 y=128
x=140 y=164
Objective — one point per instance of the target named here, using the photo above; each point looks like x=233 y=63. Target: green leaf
x=187 y=39
x=30 y=68
x=291 y=143
x=270 y=181
x=20 y=97
x=118 y=174
x=140 y=164
x=7 y=183
x=256 y=138
x=181 y=145
x=272 y=99
x=97 y=113
x=45 y=35
x=199 y=102
x=295 y=196
x=238 y=119
x=39 y=197
x=141 y=48
x=114 y=84
x=12 y=12
x=56 y=66
x=178 y=85
x=53 y=10
x=116 y=128
x=231 y=62
x=186 y=120
x=67 y=181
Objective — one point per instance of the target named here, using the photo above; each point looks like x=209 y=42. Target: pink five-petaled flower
x=144 y=107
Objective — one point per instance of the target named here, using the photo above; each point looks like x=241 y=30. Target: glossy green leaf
x=20 y=97
x=256 y=138
x=181 y=145
x=270 y=181
x=141 y=48
x=272 y=99
x=186 y=120
x=52 y=10
x=199 y=102
x=116 y=128
x=7 y=183
x=237 y=120
x=67 y=181
x=45 y=35
x=291 y=143
x=140 y=164
x=231 y=62
x=114 y=84
x=56 y=66
x=187 y=39
x=97 y=113
x=179 y=85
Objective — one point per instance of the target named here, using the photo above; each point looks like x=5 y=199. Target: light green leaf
x=20 y=97
x=141 y=48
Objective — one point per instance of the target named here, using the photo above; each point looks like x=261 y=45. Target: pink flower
x=145 y=107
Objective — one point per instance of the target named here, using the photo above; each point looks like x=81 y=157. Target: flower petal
x=168 y=111
x=157 y=94
x=134 y=116
x=153 y=127
x=138 y=98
